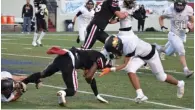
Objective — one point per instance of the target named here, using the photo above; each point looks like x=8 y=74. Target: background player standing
x=40 y=12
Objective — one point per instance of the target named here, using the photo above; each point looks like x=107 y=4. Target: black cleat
x=78 y=40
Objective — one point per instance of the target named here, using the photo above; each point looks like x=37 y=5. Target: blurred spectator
x=27 y=14
x=141 y=21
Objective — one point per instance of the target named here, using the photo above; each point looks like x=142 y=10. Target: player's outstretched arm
x=113 y=69
x=121 y=15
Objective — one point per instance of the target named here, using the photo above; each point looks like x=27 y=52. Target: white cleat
x=101 y=99
x=34 y=44
x=141 y=99
x=188 y=73
x=162 y=56
x=180 y=90
x=61 y=97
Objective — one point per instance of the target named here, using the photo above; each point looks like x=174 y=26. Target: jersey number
x=180 y=24
x=98 y=8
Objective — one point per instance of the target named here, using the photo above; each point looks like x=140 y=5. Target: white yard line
x=123 y=98
x=63 y=46
x=75 y=34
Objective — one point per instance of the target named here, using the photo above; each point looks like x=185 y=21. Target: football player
x=67 y=62
x=137 y=52
x=84 y=16
x=40 y=12
x=11 y=88
x=103 y=14
x=179 y=14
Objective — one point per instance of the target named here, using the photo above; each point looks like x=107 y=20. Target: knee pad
x=161 y=77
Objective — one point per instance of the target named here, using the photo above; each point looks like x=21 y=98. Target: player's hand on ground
x=105 y=71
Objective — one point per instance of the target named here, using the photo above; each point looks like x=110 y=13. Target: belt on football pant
x=125 y=29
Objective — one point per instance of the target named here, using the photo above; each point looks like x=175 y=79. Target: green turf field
x=18 y=56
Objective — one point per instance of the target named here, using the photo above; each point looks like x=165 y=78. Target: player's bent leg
x=102 y=36
x=43 y=25
x=133 y=65
x=90 y=39
x=158 y=70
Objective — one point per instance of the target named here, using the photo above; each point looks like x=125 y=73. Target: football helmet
x=179 y=5
x=129 y=4
x=114 y=45
x=7 y=87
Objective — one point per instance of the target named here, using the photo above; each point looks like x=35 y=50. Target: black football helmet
x=179 y=5
x=114 y=45
x=7 y=87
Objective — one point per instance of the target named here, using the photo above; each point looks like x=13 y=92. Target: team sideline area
x=19 y=56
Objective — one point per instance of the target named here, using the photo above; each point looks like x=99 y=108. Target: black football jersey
x=41 y=12
x=88 y=57
x=104 y=12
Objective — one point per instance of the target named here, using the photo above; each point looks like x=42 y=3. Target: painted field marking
x=63 y=46
x=123 y=98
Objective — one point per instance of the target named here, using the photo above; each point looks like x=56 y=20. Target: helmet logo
x=115 y=42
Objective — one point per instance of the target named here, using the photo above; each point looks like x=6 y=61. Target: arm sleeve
x=100 y=60
x=114 y=5
x=23 y=10
x=79 y=13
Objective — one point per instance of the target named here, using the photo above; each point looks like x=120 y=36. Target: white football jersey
x=133 y=44
x=178 y=20
x=127 y=22
x=5 y=74
x=86 y=16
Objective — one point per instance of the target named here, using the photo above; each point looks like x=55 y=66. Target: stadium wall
x=13 y=7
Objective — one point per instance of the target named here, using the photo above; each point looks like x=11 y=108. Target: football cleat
x=180 y=90
x=141 y=99
x=61 y=97
x=101 y=99
x=78 y=40
x=188 y=73
x=34 y=44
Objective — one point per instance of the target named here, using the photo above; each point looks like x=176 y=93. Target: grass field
x=18 y=56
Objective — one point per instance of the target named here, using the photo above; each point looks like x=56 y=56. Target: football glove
x=105 y=71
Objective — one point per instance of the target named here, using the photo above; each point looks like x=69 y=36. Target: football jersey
x=133 y=46
x=85 y=16
x=127 y=22
x=104 y=12
x=88 y=57
x=178 y=20
x=41 y=12
x=5 y=74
